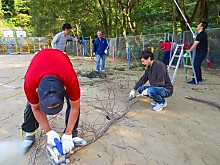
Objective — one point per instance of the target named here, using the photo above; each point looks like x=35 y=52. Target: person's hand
x=106 y=51
x=187 y=53
x=144 y=93
x=80 y=41
x=94 y=54
x=51 y=135
x=67 y=143
x=132 y=94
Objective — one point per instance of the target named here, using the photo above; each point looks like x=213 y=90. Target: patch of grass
x=119 y=69
x=92 y=74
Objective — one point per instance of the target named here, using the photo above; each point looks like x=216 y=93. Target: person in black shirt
x=201 y=45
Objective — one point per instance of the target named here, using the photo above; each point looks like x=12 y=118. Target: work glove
x=51 y=135
x=132 y=94
x=106 y=51
x=144 y=93
x=80 y=42
x=67 y=143
x=186 y=54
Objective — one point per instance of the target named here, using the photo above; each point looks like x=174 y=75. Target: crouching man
x=160 y=85
x=49 y=78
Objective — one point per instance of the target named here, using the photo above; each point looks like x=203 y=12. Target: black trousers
x=30 y=124
x=197 y=65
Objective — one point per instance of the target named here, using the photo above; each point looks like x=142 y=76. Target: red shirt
x=167 y=46
x=51 y=62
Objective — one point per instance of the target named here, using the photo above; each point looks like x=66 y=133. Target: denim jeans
x=156 y=93
x=30 y=124
x=197 y=65
x=166 y=57
x=98 y=57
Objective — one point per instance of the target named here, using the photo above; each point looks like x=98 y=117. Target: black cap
x=51 y=95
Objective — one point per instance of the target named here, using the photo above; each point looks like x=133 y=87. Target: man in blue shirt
x=100 y=49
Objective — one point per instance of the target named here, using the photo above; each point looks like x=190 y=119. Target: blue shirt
x=99 y=46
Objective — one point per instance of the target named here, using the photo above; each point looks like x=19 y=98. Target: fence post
x=90 y=46
x=129 y=55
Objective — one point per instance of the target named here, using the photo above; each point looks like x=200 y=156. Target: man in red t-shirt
x=49 y=78
x=167 y=47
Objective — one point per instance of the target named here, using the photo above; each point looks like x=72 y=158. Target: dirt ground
x=185 y=132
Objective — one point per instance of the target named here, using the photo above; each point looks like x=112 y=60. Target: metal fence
x=12 y=45
x=118 y=47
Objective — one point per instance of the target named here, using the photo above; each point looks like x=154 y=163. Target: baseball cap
x=51 y=95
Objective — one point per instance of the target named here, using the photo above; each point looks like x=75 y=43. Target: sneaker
x=159 y=107
x=79 y=142
x=28 y=141
x=192 y=82
x=103 y=70
x=153 y=103
x=199 y=81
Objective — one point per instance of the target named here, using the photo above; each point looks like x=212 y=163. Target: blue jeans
x=197 y=65
x=166 y=57
x=156 y=93
x=98 y=57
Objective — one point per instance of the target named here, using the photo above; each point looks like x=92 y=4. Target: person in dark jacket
x=201 y=45
x=100 y=49
x=160 y=85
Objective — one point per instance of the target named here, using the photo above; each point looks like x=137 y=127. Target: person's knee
x=140 y=89
x=151 y=92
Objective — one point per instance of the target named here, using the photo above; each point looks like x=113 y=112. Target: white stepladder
x=187 y=63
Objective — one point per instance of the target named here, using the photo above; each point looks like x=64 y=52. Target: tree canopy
x=113 y=17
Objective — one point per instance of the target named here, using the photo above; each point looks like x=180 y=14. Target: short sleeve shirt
x=203 y=42
x=51 y=62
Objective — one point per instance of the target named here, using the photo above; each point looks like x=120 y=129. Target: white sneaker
x=153 y=103
x=103 y=70
x=78 y=142
x=159 y=107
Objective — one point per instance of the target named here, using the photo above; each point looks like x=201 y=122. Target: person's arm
x=195 y=44
x=40 y=117
x=55 y=40
x=163 y=46
x=141 y=81
x=73 y=116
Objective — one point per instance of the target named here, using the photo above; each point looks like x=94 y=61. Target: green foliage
x=119 y=68
x=115 y=18
x=93 y=74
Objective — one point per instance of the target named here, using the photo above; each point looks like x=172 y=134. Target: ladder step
x=188 y=75
x=172 y=66
x=175 y=55
x=188 y=66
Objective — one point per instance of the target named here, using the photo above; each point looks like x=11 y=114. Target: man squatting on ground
x=201 y=45
x=100 y=49
x=59 y=41
x=49 y=78
x=160 y=85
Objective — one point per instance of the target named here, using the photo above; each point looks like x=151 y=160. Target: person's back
x=47 y=62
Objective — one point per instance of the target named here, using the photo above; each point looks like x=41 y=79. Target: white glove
x=144 y=93
x=67 y=143
x=94 y=54
x=51 y=135
x=106 y=51
x=132 y=94
x=185 y=55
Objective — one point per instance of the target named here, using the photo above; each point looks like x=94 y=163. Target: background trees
x=114 y=17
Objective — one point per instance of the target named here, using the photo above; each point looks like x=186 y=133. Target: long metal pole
x=187 y=23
